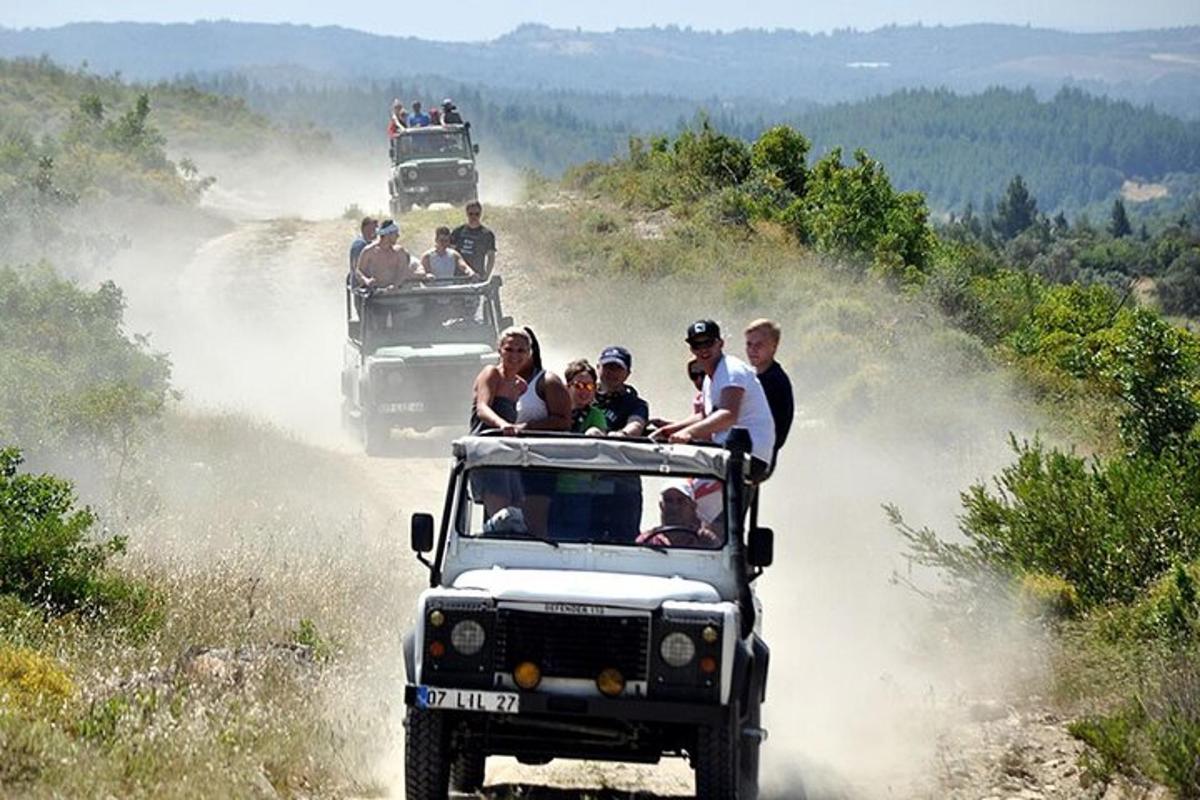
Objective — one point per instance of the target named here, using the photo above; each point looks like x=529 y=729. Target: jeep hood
x=417 y=163
x=407 y=352
x=643 y=592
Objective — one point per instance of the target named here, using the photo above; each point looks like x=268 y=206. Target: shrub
x=1111 y=740
x=1175 y=728
x=29 y=680
x=1047 y=596
x=46 y=558
x=1109 y=528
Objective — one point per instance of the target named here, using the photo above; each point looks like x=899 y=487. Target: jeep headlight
x=677 y=649
x=462 y=171
x=411 y=175
x=468 y=637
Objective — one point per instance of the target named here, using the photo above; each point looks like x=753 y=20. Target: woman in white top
x=443 y=261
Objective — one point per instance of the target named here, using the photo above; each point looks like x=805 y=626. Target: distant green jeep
x=433 y=165
x=412 y=355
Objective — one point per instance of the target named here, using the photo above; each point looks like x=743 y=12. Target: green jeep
x=433 y=165
x=412 y=355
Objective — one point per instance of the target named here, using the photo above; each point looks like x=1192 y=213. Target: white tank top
x=530 y=406
x=442 y=265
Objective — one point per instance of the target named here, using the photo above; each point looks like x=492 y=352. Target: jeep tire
x=426 y=765
x=376 y=434
x=466 y=770
x=725 y=759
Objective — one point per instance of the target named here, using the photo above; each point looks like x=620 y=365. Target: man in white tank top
x=443 y=261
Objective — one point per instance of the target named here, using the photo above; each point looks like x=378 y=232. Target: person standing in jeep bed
x=475 y=242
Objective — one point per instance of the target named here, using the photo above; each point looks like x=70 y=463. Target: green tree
x=780 y=153
x=1016 y=211
x=1118 y=224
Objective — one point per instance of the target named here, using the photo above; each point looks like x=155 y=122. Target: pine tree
x=1016 y=211
x=1118 y=224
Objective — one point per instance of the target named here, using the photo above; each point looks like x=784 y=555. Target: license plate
x=468 y=700
x=415 y=407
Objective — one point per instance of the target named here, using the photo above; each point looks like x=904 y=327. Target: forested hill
x=1162 y=66
x=1074 y=150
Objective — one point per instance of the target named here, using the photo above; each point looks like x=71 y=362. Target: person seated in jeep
x=382 y=265
x=450 y=115
x=443 y=261
x=680 y=523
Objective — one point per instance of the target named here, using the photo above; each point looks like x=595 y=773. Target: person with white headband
x=383 y=265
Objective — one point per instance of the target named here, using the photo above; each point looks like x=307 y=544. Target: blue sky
x=480 y=19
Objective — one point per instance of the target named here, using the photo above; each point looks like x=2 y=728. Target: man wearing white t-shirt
x=733 y=397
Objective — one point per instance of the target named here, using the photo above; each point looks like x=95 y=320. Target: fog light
x=677 y=649
x=436 y=618
x=708 y=665
x=527 y=675
x=437 y=649
x=610 y=682
x=710 y=634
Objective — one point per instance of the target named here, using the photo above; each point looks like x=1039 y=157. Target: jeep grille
x=571 y=646
x=427 y=382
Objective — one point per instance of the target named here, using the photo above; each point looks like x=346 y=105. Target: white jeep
x=589 y=598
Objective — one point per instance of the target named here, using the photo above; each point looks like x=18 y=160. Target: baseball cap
x=702 y=329
x=615 y=355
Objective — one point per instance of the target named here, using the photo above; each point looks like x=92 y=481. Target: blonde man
x=762 y=340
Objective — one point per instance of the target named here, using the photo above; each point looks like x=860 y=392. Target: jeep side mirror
x=422 y=532
x=506 y=323
x=760 y=547
x=475 y=148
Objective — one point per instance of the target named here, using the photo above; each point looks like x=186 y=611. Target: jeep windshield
x=433 y=144
x=429 y=319
x=574 y=506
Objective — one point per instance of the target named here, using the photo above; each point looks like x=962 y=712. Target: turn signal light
x=610 y=682
x=436 y=618
x=527 y=675
x=710 y=634
x=708 y=665
x=437 y=649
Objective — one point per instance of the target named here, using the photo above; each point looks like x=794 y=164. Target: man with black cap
x=625 y=412
x=733 y=397
x=450 y=115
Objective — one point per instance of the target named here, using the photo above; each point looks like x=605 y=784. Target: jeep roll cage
x=362 y=300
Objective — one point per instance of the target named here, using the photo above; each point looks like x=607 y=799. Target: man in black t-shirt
x=476 y=243
x=762 y=340
x=626 y=414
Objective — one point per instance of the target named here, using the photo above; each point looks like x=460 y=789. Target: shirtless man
x=382 y=265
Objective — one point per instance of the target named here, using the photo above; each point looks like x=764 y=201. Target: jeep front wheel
x=726 y=763
x=377 y=434
x=426 y=767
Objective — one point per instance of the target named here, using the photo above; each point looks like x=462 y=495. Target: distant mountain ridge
x=1157 y=66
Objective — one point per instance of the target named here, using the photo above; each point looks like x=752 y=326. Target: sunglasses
x=588 y=385
x=702 y=344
